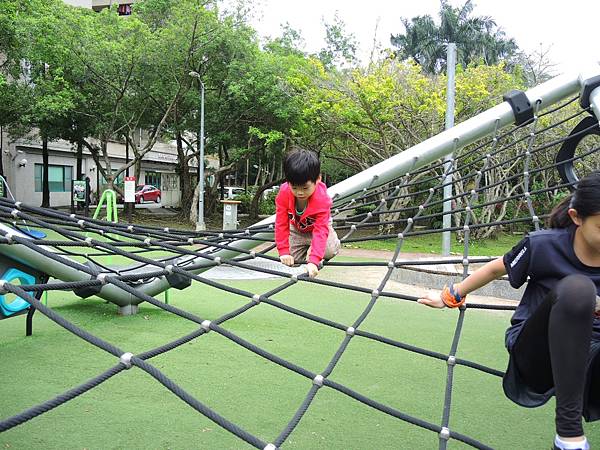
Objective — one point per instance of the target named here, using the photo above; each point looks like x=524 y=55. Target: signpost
x=79 y=194
x=129 y=196
x=79 y=191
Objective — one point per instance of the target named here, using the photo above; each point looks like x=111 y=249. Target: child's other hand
x=432 y=299
x=312 y=270
x=288 y=260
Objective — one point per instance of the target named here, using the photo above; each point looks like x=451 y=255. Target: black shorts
x=522 y=394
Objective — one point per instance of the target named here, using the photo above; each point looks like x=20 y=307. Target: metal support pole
x=447 y=205
x=201 y=226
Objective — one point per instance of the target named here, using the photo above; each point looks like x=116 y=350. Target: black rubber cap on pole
x=520 y=105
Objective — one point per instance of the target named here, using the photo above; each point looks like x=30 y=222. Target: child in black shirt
x=554 y=337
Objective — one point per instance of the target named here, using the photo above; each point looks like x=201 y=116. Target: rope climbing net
x=505 y=183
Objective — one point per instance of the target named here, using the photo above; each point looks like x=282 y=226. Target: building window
x=152 y=178
x=59 y=178
x=124 y=10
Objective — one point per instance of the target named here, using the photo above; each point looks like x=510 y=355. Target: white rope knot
x=2 y=288
x=445 y=433
x=169 y=268
x=147 y=241
x=9 y=238
x=130 y=228
x=270 y=447
x=451 y=360
x=256 y=298
x=14 y=213
x=72 y=216
x=81 y=223
x=318 y=380
x=88 y=241
x=101 y=277
x=218 y=260
x=205 y=325
x=350 y=331
x=18 y=205
x=125 y=359
x=190 y=240
x=166 y=229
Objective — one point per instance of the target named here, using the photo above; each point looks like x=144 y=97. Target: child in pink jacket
x=302 y=222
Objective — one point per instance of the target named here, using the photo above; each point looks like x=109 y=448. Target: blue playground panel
x=31 y=232
x=36 y=234
x=18 y=304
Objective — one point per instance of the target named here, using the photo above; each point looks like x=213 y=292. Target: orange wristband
x=451 y=298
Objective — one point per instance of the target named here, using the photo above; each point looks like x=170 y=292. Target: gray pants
x=300 y=244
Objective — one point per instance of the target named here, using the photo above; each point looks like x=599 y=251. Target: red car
x=147 y=192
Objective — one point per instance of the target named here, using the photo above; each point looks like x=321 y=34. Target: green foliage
x=266 y=204
x=362 y=117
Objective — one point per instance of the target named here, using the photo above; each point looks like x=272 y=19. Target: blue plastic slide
x=18 y=304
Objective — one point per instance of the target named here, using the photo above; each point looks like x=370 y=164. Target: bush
x=267 y=205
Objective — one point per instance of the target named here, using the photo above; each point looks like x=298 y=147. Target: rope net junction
x=504 y=182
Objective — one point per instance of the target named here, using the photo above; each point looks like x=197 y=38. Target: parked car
x=147 y=192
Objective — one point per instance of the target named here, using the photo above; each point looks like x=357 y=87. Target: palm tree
x=478 y=38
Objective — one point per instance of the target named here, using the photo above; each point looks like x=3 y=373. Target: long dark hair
x=585 y=200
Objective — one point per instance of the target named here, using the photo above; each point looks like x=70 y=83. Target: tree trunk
x=258 y=171
x=1 y=153
x=186 y=188
x=256 y=199
x=221 y=163
x=79 y=160
x=45 y=184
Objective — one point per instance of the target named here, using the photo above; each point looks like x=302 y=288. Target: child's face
x=303 y=191
x=590 y=229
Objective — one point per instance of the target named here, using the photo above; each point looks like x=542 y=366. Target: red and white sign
x=129 y=190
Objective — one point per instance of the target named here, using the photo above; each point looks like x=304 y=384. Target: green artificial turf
x=432 y=243
x=132 y=410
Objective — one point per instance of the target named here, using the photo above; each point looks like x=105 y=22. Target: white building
x=22 y=163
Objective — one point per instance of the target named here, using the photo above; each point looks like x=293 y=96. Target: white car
x=231 y=192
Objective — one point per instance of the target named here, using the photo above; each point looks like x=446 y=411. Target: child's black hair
x=585 y=200
x=300 y=166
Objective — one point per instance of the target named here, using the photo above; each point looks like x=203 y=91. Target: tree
x=341 y=46
x=478 y=39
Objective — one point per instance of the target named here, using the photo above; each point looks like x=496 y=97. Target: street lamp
x=200 y=225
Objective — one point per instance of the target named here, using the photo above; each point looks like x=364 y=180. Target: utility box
x=230 y=214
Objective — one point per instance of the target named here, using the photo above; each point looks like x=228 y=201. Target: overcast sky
x=570 y=29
